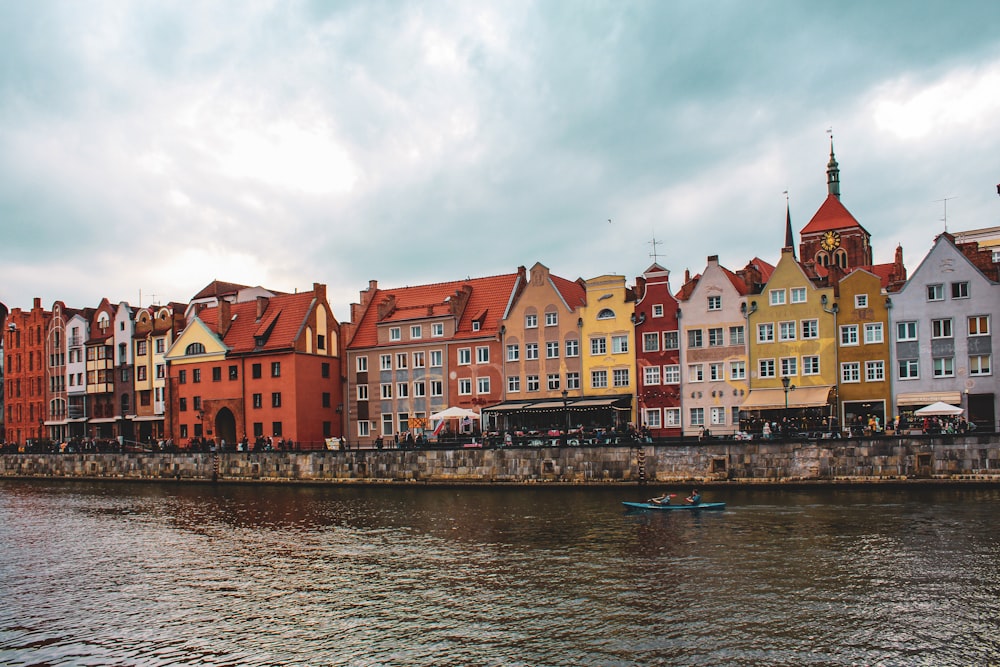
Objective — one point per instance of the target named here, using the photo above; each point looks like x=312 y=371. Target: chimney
x=225 y=317
x=261 y=306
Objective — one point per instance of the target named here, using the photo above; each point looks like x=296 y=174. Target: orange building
x=25 y=373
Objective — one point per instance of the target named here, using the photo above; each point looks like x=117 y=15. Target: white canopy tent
x=938 y=409
x=455 y=413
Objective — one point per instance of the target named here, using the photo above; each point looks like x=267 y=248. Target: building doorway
x=225 y=427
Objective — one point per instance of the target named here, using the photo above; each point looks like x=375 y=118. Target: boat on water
x=656 y=506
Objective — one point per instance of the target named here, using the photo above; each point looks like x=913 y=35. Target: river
x=165 y=574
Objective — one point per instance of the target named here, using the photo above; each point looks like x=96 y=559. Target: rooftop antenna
x=654 y=243
x=945 y=218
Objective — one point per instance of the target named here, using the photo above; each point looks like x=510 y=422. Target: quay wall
x=952 y=458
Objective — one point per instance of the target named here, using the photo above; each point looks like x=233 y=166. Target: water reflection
x=188 y=574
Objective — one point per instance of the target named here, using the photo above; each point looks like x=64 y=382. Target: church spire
x=789 y=237
x=832 y=172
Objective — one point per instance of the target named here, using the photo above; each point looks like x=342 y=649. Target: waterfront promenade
x=885 y=459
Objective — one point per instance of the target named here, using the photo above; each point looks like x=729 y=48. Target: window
x=161 y=371
x=941 y=328
x=697 y=416
x=935 y=292
x=908 y=369
x=416 y=331
x=696 y=373
x=651 y=375
x=325 y=401
x=906 y=331
x=194 y=348
x=196 y=375
x=234 y=372
x=694 y=338
x=619 y=344
x=979 y=325
x=419 y=360
x=395 y=333
x=402 y=390
x=276 y=428
x=552 y=350
x=182 y=404
x=464 y=356
x=715 y=337
x=765 y=332
x=483 y=385
x=476 y=325
x=437 y=388
x=651 y=417
x=960 y=290
x=276 y=399
x=873 y=333
x=216 y=374
x=777 y=297
x=672 y=416
x=789 y=366
x=860 y=301
x=140 y=348
x=736 y=335
x=140 y=373
x=849 y=334
x=362 y=365
x=364 y=429
x=765 y=368
x=944 y=367
x=737 y=370
x=715 y=303
x=620 y=377
x=599 y=345
x=599 y=379
x=572 y=380
x=362 y=392
x=606 y=314
x=419 y=389
x=657 y=310
x=671 y=340
x=531 y=321
x=572 y=348
x=651 y=342
x=672 y=374
x=436 y=359
x=798 y=294
x=437 y=329
x=531 y=351
x=874 y=371
x=387 y=424
x=531 y=382
x=482 y=355
x=718 y=416
x=786 y=330
x=850 y=371
x=810 y=365
x=810 y=329
x=513 y=353
x=551 y=319
x=513 y=383
x=385 y=362
x=160 y=345
x=979 y=364
x=401 y=360
x=256 y=371
x=276 y=369
x=715 y=372
x=321 y=342
x=465 y=387
x=386 y=390
x=552 y=381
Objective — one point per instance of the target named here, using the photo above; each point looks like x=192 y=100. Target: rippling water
x=144 y=574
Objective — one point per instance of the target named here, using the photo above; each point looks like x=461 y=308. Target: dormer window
x=195 y=348
x=475 y=326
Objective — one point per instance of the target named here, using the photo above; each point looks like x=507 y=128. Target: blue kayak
x=654 y=506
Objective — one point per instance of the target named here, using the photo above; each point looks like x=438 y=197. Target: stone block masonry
x=953 y=458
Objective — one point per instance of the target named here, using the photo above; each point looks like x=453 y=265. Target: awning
x=104 y=420
x=774 y=399
x=57 y=423
x=508 y=406
x=147 y=418
x=928 y=397
x=575 y=403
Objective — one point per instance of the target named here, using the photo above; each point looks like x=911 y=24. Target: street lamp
x=565 y=394
x=787 y=388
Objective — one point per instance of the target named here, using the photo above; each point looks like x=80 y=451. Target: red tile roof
x=831 y=215
x=488 y=295
x=572 y=292
x=286 y=314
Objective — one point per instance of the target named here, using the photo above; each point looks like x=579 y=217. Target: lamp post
x=787 y=387
x=565 y=437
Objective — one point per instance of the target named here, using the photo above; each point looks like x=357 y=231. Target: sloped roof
x=831 y=215
x=765 y=269
x=488 y=294
x=572 y=292
x=218 y=288
x=284 y=314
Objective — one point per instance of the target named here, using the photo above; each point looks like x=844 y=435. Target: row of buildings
x=823 y=337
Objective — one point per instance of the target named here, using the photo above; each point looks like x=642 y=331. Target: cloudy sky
x=147 y=148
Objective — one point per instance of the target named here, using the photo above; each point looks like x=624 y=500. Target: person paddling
x=663 y=500
x=694 y=498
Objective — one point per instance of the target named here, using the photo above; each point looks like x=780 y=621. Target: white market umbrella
x=938 y=409
x=455 y=413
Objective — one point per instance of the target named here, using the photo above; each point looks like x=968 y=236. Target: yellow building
x=863 y=350
x=608 y=341
x=791 y=331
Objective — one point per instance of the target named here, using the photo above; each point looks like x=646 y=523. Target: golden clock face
x=830 y=240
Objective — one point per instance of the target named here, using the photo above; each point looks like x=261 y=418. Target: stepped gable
x=473 y=299
x=278 y=320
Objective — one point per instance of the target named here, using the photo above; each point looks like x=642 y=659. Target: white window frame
x=849 y=335
x=531 y=321
x=776 y=297
x=619 y=345
x=715 y=302
x=514 y=352
x=395 y=334
x=875 y=371
x=798 y=294
x=874 y=333
x=464 y=356
x=766 y=368
x=810 y=364
x=672 y=374
x=907 y=328
x=437 y=329
x=483 y=385
x=850 y=372
x=482 y=354
x=651 y=341
x=572 y=347
x=530 y=351
x=465 y=386
x=551 y=319
x=650 y=375
x=765 y=332
x=908 y=369
x=737 y=370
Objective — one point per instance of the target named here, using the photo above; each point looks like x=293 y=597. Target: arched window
x=822 y=259
x=840 y=257
x=606 y=314
x=195 y=348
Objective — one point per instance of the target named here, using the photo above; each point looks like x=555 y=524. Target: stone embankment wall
x=888 y=459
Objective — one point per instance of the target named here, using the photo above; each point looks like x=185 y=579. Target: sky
x=148 y=148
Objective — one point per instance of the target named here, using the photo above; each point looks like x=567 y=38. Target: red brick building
x=25 y=392
x=657 y=353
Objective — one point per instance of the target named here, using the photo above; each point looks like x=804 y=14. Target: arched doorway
x=225 y=427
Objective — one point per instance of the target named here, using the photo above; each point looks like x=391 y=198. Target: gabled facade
x=156 y=327
x=257 y=371
x=100 y=355
x=77 y=335
x=414 y=351
x=57 y=408
x=608 y=341
x=657 y=354
x=865 y=390
x=124 y=399
x=943 y=323
x=25 y=373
